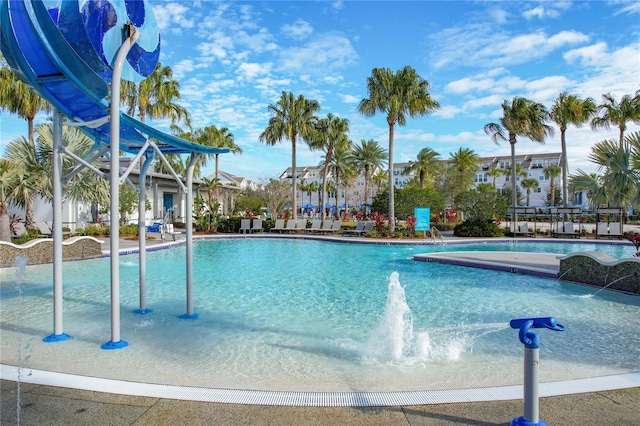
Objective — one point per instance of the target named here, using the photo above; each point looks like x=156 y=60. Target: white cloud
x=589 y=55
x=547 y=10
x=173 y=17
x=299 y=30
x=327 y=52
x=251 y=70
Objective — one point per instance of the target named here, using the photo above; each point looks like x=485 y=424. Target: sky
x=233 y=59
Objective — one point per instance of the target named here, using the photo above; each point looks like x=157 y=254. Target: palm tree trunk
x=514 y=191
x=392 y=211
x=565 y=166
x=217 y=155
x=294 y=178
x=5 y=225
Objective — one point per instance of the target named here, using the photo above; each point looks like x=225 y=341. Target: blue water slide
x=36 y=49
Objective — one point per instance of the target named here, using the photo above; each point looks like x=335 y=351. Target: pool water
x=304 y=315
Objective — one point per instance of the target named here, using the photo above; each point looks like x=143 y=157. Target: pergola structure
x=69 y=56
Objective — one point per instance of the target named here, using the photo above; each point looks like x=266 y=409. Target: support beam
x=142 y=237
x=189 y=240
x=57 y=335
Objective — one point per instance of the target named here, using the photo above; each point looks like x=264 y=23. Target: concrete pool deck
x=58 y=404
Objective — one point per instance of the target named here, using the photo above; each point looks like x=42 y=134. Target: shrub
x=477 y=229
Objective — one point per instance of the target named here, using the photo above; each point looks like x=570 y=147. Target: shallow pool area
x=300 y=315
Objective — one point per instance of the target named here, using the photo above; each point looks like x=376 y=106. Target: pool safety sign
x=423 y=218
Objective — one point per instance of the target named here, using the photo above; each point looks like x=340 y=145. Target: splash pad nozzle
x=531 y=360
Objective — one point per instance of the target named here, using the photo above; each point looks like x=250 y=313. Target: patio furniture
x=257 y=225
x=279 y=226
x=245 y=226
x=523 y=229
x=565 y=229
x=315 y=226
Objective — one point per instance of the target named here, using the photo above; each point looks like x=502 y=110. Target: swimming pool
x=304 y=315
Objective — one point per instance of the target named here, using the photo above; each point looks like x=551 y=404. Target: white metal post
x=57 y=335
x=142 y=238
x=116 y=342
x=189 y=239
x=531 y=361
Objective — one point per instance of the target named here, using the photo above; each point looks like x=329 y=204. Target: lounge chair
x=368 y=226
x=565 y=229
x=326 y=225
x=301 y=225
x=291 y=225
x=44 y=229
x=279 y=226
x=523 y=229
x=257 y=225
x=608 y=230
x=336 y=226
x=245 y=226
x=315 y=226
x=357 y=230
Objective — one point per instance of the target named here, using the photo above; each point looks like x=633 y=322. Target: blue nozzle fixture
x=531 y=360
x=528 y=338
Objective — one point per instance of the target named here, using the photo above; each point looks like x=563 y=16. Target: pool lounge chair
x=245 y=226
x=44 y=229
x=608 y=230
x=301 y=225
x=523 y=229
x=326 y=226
x=565 y=229
x=291 y=225
x=357 y=230
x=368 y=226
x=257 y=225
x=279 y=226
x=315 y=226
x=336 y=226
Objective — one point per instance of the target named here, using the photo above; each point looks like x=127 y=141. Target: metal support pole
x=189 y=239
x=57 y=335
x=142 y=238
x=116 y=342
x=531 y=360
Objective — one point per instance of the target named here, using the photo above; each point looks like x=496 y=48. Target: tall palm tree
x=212 y=186
x=397 y=95
x=617 y=113
x=340 y=161
x=495 y=173
x=368 y=156
x=528 y=185
x=330 y=132
x=154 y=96
x=291 y=117
x=427 y=165
x=570 y=109
x=17 y=98
x=521 y=117
x=464 y=164
x=552 y=172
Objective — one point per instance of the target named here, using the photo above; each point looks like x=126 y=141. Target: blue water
x=306 y=315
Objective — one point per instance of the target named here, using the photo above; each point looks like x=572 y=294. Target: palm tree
x=340 y=160
x=620 y=113
x=211 y=185
x=17 y=98
x=521 y=117
x=396 y=95
x=428 y=165
x=291 y=117
x=620 y=180
x=570 y=109
x=464 y=164
x=330 y=132
x=208 y=136
x=592 y=183
x=528 y=185
x=495 y=173
x=11 y=173
x=368 y=156
x=552 y=172
x=154 y=96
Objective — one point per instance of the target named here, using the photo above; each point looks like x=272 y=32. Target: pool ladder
x=436 y=234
